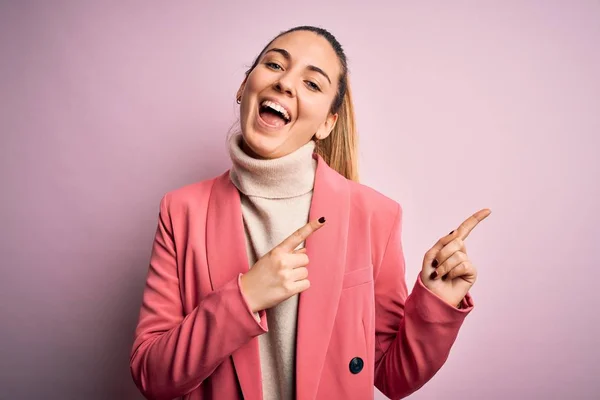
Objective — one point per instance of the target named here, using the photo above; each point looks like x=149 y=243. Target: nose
x=284 y=86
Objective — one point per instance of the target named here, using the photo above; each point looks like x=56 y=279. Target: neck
x=288 y=176
x=246 y=149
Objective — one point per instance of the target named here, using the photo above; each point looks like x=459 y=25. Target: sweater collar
x=289 y=176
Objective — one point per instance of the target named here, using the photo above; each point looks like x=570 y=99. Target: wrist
x=247 y=298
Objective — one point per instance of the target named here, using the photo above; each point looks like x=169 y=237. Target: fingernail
x=444 y=277
x=433 y=275
x=434 y=263
x=451 y=233
x=322 y=220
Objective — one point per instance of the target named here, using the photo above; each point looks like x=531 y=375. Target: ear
x=327 y=127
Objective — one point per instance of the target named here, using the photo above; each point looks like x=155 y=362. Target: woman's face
x=286 y=99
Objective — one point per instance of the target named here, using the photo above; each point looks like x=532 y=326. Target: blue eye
x=273 y=65
x=313 y=85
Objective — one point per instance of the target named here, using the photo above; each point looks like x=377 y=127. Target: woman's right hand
x=281 y=273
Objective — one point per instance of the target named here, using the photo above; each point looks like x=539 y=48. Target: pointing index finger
x=467 y=226
x=300 y=235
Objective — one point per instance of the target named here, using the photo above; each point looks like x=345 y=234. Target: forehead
x=308 y=48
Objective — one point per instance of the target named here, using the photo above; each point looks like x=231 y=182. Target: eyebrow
x=288 y=57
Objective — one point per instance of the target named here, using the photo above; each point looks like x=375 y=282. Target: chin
x=264 y=145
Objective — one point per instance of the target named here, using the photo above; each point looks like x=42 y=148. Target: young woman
x=283 y=278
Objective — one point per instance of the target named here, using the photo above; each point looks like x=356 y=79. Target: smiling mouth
x=273 y=114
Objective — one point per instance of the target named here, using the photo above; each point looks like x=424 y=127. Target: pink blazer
x=357 y=326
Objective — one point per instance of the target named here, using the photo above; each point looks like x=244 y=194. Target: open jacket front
x=357 y=326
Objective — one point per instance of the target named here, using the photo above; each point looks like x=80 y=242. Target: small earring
x=239 y=100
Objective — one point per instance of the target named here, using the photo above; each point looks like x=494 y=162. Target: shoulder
x=364 y=200
x=368 y=207
x=374 y=203
x=375 y=213
x=189 y=197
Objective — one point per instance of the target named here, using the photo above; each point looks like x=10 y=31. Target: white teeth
x=277 y=107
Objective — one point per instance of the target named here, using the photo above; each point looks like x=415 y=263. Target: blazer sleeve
x=173 y=353
x=414 y=333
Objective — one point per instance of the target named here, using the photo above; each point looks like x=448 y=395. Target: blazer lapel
x=326 y=250
x=227 y=257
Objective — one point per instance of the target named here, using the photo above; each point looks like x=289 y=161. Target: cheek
x=315 y=112
x=247 y=104
x=257 y=80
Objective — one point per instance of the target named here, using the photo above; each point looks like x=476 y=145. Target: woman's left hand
x=447 y=270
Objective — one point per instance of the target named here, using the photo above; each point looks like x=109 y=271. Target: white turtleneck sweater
x=275 y=196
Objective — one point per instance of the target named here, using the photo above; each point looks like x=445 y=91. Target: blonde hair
x=340 y=149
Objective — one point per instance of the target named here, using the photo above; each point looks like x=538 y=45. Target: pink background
x=105 y=106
